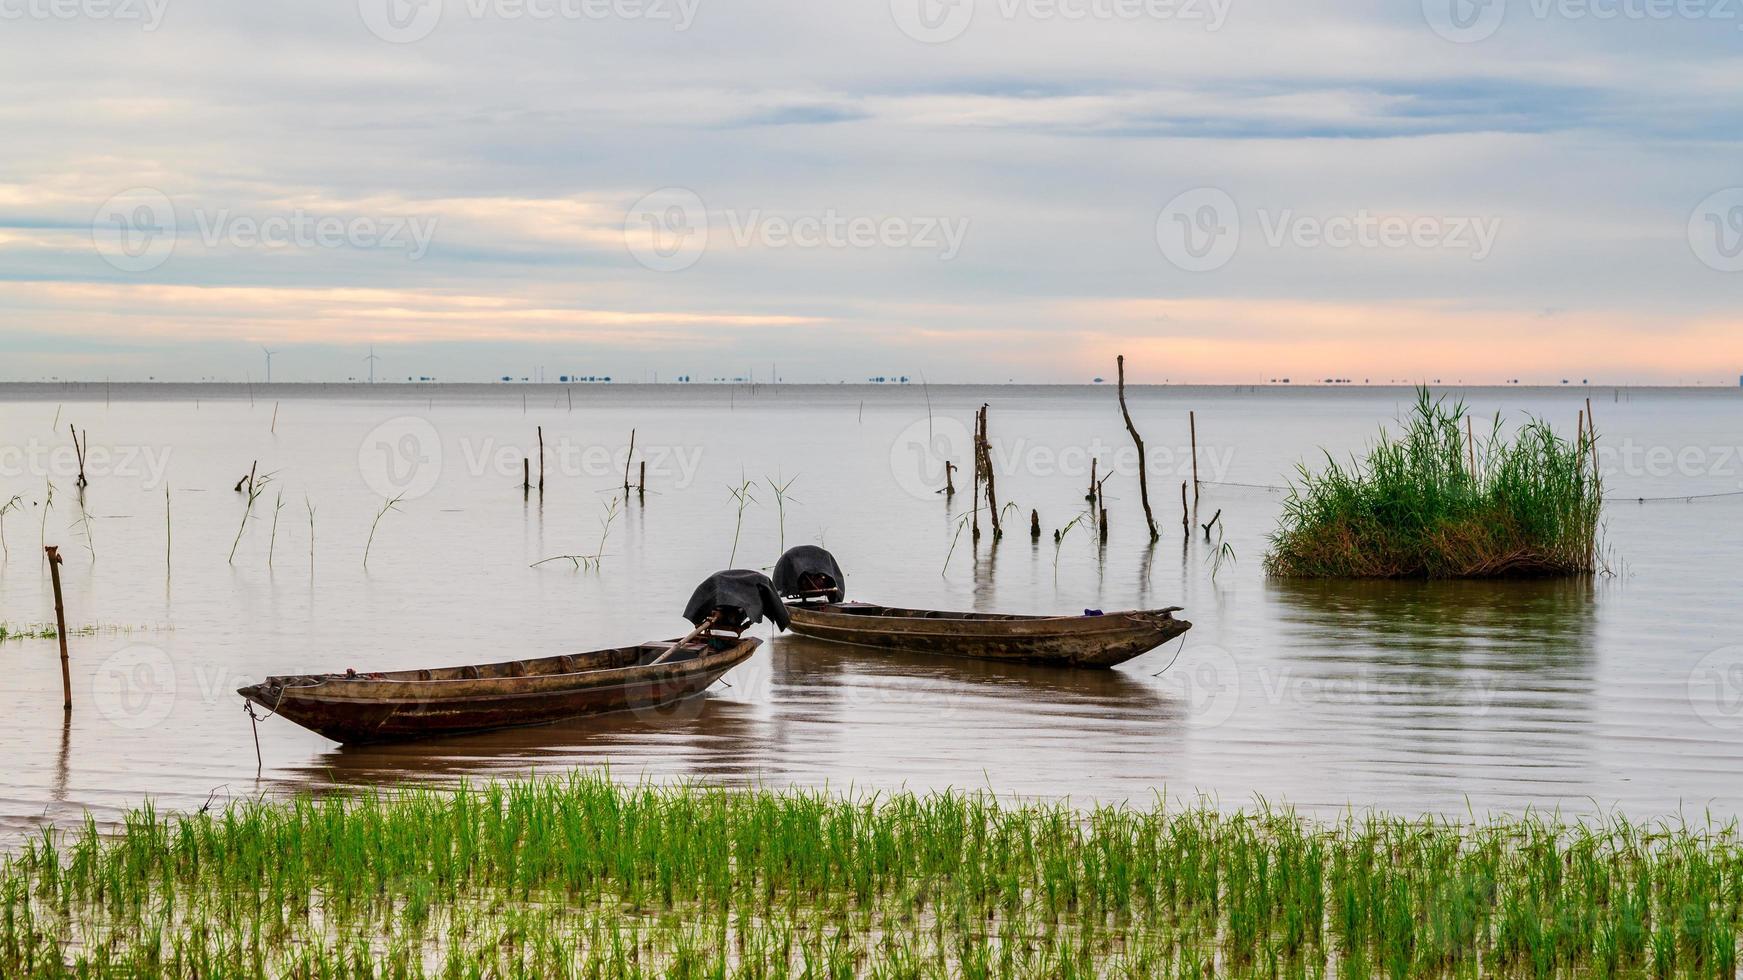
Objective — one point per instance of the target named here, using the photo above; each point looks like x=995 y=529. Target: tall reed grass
x=581 y=877
x=1441 y=501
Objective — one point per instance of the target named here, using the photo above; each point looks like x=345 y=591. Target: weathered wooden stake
x=1034 y=525
x=992 y=494
x=1104 y=525
x=1213 y=520
x=1143 y=479
x=541 y=459
x=949 y=482
x=526 y=476
x=1185 y=512
x=1092 y=487
x=626 y=460
x=974 y=504
x=1192 y=422
x=79 y=452
x=641 y=487
x=60 y=623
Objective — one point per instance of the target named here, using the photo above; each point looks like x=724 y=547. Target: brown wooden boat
x=373 y=707
x=1101 y=640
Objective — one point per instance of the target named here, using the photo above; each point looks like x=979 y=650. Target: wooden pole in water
x=1192 y=422
x=60 y=623
x=641 y=487
x=541 y=459
x=1034 y=525
x=626 y=460
x=949 y=482
x=974 y=503
x=1143 y=478
x=992 y=494
x=526 y=476
x=1185 y=514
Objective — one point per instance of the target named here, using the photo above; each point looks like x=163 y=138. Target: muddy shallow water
x=1623 y=690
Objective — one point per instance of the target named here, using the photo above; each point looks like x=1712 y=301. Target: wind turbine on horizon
x=372 y=359
x=269 y=354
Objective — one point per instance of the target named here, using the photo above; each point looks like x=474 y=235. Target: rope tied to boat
x=255 y=720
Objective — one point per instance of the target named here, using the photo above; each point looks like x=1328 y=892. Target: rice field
x=1445 y=501
x=582 y=877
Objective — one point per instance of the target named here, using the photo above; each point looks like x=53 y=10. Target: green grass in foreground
x=579 y=877
x=1444 y=502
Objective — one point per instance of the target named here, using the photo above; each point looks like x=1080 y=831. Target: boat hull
x=1100 y=641
x=404 y=705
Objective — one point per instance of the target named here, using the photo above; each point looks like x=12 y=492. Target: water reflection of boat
x=828 y=669
x=718 y=738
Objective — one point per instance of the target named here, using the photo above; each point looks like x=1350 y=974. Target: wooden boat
x=374 y=707
x=1101 y=640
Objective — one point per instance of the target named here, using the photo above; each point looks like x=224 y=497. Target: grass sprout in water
x=392 y=504
x=583 y=877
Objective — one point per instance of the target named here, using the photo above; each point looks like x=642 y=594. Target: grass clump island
x=1441 y=501
x=581 y=877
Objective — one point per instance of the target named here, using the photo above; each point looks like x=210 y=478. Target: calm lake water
x=1625 y=690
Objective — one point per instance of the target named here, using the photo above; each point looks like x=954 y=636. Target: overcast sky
x=980 y=190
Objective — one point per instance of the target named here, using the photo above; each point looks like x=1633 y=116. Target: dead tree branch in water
x=1137 y=440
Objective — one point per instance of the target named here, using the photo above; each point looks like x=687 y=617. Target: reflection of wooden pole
x=60 y=622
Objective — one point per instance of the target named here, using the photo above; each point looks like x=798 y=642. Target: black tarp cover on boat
x=808 y=559
x=742 y=593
